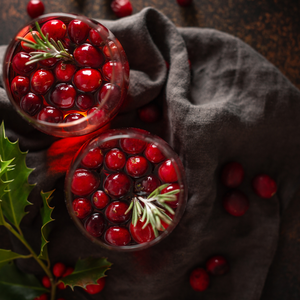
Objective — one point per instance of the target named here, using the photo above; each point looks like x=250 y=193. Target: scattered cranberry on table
x=184 y=3
x=232 y=174
x=264 y=186
x=199 y=279
x=121 y=8
x=217 y=265
x=35 y=8
x=235 y=203
x=149 y=113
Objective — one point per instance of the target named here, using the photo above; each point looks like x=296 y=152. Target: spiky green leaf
x=87 y=271
x=5 y=166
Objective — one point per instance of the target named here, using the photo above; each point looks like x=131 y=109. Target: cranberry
x=42 y=297
x=184 y=3
x=87 y=55
x=29 y=36
x=117 y=184
x=63 y=95
x=147 y=184
x=232 y=174
x=169 y=188
x=49 y=62
x=115 y=212
x=19 y=63
x=137 y=166
x=58 y=269
x=153 y=154
x=217 y=265
x=264 y=186
x=100 y=199
x=96 y=116
x=149 y=113
x=167 y=171
x=68 y=271
x=112 y=71
x=235 y=203
x=115 y=159
x=96 y=288
x=110 y=95
x=55 y=29
x=84 y=101
x=121 y=8
x=41 y=81
x=141 y=235
x=133 y=146
x=111 y=50
x=46 y=282
x=98 y=35
x=20 y=86
x=74 y=117
x=118 y=236
x=31 y=104
x=163 y=223
x=93 y=159
x=84 y=182
x=64 y=71
x=95 y=224
x=87 y=80
x=35 y=8
x=82 y=208
x=199 y=280
x=78 y=31
x=50 y=114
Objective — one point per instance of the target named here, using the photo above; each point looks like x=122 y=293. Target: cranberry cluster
x=107 y=180
x=62 y=90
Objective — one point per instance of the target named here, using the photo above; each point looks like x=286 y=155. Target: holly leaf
x=14 y=200
x=87 y=271
x=8 y=255
x=5 y=166
x=15 y=284
x=46 y=212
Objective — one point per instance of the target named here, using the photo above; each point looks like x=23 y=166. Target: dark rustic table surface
x=270 y=26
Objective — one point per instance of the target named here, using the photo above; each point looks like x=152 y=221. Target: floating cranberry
x=264 y=186
x=87 y=55
x=169 y=188
x=153 y=154
x=64 y=71
x=74 y=117
x=35 y=8
x=149 y=113
x=46 y=282
x=55 y=29
x=20 y=86
x=93 y=159
x=136 y=166
x=84 y=101
x=133 y=146
x=117 y=184
x=232 y=174
x=199 y=280
x=235 y=203
x=98 y=35
x=87 y=80
x=82 y=207
x=95 y=224
x=118 y=236
x=167 y=172
x=93 y=289
x=112 y=71
x=141 y=235
x=84 y=182
x=121 y=8
x=50 y=114
x=41 y=81
x=63 y=95
x=78 y=31
x=19 y=63
x=115 y=159
x=184 y=3
x=96 y=116
x=164 y=224
x=31 y=104
x=147 y=184
x=29 y=36
x=217 y=265
x=47 y=63
x=59 y=269
x=109 y=95
x=111 y=50
x=115 y=212
x=100 y=199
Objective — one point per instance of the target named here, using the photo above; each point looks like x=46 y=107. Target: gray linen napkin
x=232 y=105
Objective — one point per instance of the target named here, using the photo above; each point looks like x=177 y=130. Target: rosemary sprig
x=45 y=49
x=154 y=208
